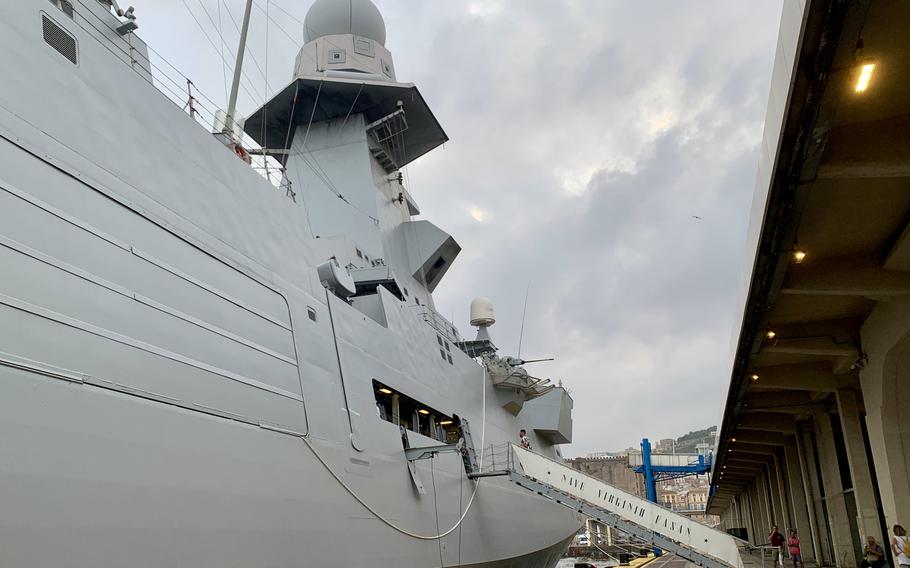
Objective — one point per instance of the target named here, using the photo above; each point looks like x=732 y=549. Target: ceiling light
x=754 y=377
x=799 y=256
x=423 y=411
x=385 y=390
x=445 y=422
x=770 y=334
x=865 y=75
x=732 y=439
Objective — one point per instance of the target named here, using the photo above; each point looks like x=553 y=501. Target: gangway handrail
x=628 y=513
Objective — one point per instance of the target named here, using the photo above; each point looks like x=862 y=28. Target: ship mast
x=235 y=85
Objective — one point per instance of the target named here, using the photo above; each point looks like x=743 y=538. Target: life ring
x=242 y=153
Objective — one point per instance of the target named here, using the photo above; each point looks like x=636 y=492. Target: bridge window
x=398 y=408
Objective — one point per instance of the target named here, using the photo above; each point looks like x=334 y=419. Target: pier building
x=816 y=429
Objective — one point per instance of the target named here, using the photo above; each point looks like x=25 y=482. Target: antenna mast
x=235 y=85
x=524 y=312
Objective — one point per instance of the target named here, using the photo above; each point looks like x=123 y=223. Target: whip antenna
x=524 y=313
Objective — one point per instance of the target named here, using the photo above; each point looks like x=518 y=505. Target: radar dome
x=331 y=17
x=482 y=312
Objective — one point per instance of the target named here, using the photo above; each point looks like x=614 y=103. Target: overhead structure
x=815 y=425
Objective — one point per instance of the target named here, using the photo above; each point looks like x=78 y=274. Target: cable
x=220 y=35
x=460 y=493
x=436 y=508
x=107 y=43
x=483 y=431
x=256 y=96
x=110 y=46
x=249 y=50
x=137 y=56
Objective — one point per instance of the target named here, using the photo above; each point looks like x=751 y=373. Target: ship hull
x=93 y=477
x=177 y=388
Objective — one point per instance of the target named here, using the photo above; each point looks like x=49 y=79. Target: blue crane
x=655 y=472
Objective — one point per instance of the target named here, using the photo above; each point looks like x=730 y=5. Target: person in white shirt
x=523 y=438
x=900 y=546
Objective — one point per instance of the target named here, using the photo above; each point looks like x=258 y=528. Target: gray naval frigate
x=202 y=368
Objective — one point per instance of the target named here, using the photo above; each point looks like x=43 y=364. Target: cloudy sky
x=602 y=152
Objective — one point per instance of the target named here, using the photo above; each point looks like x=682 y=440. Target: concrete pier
x=816 y=428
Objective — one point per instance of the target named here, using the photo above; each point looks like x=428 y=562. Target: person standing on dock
x=900 y=546
x=793 y=545
x=873 y=554
x=777 y=541
x=523 y=438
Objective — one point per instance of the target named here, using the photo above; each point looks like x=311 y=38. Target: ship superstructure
x=200 y=369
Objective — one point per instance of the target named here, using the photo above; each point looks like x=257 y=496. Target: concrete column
x=777 y=502
x=786 y=508
x=866 y=510
x=885 y=382
x=764 y=512
x=841 y=534
x=758 y=517
x=750 y=516
x=797 y=491
x=823 y=544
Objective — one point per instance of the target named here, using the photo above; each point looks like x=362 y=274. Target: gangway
x=623 y=511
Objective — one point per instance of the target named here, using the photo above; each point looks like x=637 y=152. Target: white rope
x=378 y=515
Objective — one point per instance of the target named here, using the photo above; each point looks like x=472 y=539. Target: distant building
x=665 y=446
x=612 y=469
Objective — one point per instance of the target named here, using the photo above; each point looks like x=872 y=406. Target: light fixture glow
x=770 y=334
x=445 y=422
x=799 y=256
x=754 y=377
x=384 y=390
x=423 y=411
x=865 y=75
x=732 y=439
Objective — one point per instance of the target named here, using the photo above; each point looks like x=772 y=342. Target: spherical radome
x=358 y=17
x=482 y=312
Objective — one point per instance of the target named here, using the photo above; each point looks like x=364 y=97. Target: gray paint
x=158 y=364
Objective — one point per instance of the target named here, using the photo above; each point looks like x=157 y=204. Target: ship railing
x=441 y=325
x=496 y=460
x=166 y=78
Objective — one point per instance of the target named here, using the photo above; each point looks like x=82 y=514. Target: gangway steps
x=628 y=513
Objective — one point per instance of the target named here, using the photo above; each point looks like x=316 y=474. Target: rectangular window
x=395 y=407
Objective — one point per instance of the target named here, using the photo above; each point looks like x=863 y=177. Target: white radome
x=333 y=17
x=482 y=312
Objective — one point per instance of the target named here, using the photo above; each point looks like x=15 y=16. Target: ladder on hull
x=632 y=515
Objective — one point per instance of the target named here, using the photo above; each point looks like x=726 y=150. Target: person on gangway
x=523 y=438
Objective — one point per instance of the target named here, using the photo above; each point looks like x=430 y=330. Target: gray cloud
x=585 y=135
